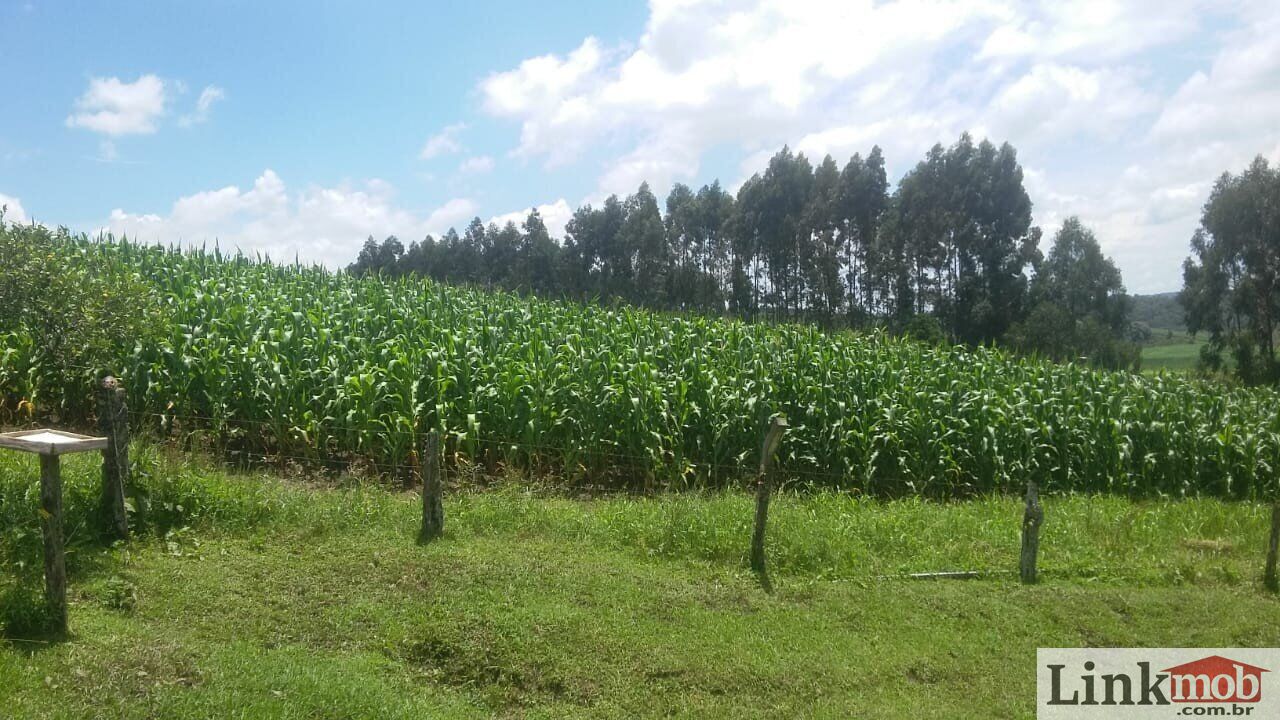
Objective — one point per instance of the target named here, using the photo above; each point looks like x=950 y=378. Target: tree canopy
x=1231 y=282
x=1078 y=303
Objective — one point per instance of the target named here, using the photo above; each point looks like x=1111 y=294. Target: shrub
x=66 y=314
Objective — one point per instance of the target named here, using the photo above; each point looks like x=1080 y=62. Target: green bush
x=23 y=611
x=66 y=315
x=1050 y=331
x=926 y=329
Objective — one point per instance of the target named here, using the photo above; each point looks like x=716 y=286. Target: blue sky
x=301 y=128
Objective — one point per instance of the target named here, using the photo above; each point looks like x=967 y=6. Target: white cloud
x=555 y=215
x=116 y=108
x=1052 y=100
x=660 y=161
x=210 y=95
x=1096 y=95
x=1217 y=120
x=902 y=140
x=454 y=213
x=708 y=73
x=541 y=82
x=1089 y=30
x=444 y=142
x=14 y=213
x=477 y=165
x=1238 y=96
x=315 y=224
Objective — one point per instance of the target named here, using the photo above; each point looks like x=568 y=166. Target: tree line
x=950 y=254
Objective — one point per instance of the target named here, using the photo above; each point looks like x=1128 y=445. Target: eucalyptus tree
x=1231 y=283
x=773 y=231
x=819 y=244
x=744 y=233
x=918 y=235
x=645 y=239
x=470 y=255
x=1077 y=277
x=963 y=221
x=863 y=199
x=580 y=258
x=1077 y=307
x=502 y=250
x=1004 y=245
x=535 y=266
x=616 y=262
x=450 y=265
x=715 y=208
x=681 y=220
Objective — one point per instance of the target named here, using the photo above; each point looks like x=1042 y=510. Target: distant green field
x=1178 y=356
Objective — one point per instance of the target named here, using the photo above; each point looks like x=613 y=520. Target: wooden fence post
x=432 y=492
x=113 y=422
x=764 y=487
x=1273 y=549
x=1032 y=517
x=55 y=567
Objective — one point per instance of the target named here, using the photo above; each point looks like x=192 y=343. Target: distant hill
x=1160 y=310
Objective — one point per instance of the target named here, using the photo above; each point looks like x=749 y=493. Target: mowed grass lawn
x=1172 y=350
x=1181 y=357
x=249 y=596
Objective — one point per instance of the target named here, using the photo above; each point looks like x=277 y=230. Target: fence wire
x=666 y=460
x=198 y=423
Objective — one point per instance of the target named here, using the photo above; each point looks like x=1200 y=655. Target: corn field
x=304 y=363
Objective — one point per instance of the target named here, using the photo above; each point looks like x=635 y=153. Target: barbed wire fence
x=471 y=449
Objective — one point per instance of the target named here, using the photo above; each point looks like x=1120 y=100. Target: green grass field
x=1179 y=353
x=1181 y=357
x=250 y=596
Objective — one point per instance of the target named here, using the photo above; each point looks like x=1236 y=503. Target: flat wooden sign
x=50 y=442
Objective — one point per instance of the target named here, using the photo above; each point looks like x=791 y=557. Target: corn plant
x=296 y=361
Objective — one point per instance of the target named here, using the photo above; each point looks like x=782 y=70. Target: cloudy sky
x=302 y=128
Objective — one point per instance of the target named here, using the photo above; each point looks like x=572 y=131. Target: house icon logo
x=1156 y=683
x=1215 y=679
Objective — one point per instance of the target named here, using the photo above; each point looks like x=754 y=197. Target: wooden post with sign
x=50 y=445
